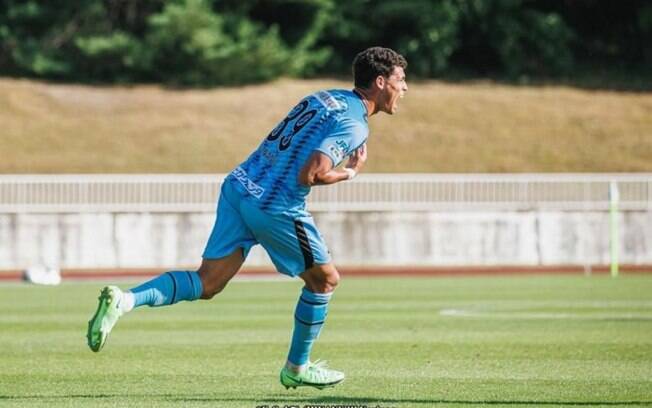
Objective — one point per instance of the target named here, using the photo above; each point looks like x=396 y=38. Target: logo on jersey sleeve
x=326 y=99
x=335 y=152
x=338 y=149
x=343 y=146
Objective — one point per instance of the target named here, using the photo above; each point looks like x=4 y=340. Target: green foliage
x=189 y=44
x=110 y=56
x=512 y=38
x=645 y=27
x=300 y=25
x=425 y=31
x=213 y=42
x=431 y=33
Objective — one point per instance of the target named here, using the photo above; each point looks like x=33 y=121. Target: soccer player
x=262 y=202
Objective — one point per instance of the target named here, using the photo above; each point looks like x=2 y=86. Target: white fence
x=107 y=221
x=369 y=192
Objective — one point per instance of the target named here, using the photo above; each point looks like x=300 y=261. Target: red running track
x=349 y=271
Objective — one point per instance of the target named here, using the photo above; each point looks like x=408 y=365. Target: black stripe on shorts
x=304 y=244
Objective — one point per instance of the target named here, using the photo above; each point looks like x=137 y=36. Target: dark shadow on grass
x=291 y=400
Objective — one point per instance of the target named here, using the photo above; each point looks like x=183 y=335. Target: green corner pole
x=613 y=227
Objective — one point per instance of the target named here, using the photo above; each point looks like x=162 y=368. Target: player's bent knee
x=321 y=279
x=332 y=280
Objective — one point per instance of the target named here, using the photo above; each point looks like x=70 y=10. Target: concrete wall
x=107 y=240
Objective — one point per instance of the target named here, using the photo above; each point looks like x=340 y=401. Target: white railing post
x=614 y=198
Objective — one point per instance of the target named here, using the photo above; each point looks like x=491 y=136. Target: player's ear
x=380 y=82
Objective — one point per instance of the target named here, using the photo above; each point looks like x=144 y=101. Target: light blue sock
x=309 y=317
x=168 y=288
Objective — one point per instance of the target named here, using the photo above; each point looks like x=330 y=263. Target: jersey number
x=302 y=118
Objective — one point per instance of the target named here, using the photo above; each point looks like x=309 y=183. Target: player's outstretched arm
x=319 y=168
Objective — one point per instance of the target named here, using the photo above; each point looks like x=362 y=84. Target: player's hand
x=358 y=158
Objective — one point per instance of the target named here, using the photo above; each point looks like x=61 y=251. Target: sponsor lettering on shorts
x=253 y=188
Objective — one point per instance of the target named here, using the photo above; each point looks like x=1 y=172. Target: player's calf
x=165 y=289
x=215 y=274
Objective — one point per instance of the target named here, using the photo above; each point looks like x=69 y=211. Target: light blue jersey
x=333 y=122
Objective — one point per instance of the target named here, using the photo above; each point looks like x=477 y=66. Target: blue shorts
x=293 y=243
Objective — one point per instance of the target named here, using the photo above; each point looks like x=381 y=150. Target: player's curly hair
x=374 y=61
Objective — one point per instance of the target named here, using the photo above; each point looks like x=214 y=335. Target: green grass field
x=412 y=342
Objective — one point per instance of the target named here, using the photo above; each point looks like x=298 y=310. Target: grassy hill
x=441 y=127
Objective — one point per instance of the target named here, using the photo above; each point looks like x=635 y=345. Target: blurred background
x=226 y=42
x=525 y=140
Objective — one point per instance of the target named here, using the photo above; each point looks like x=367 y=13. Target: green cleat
x=316 y=375
x=107 y=314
